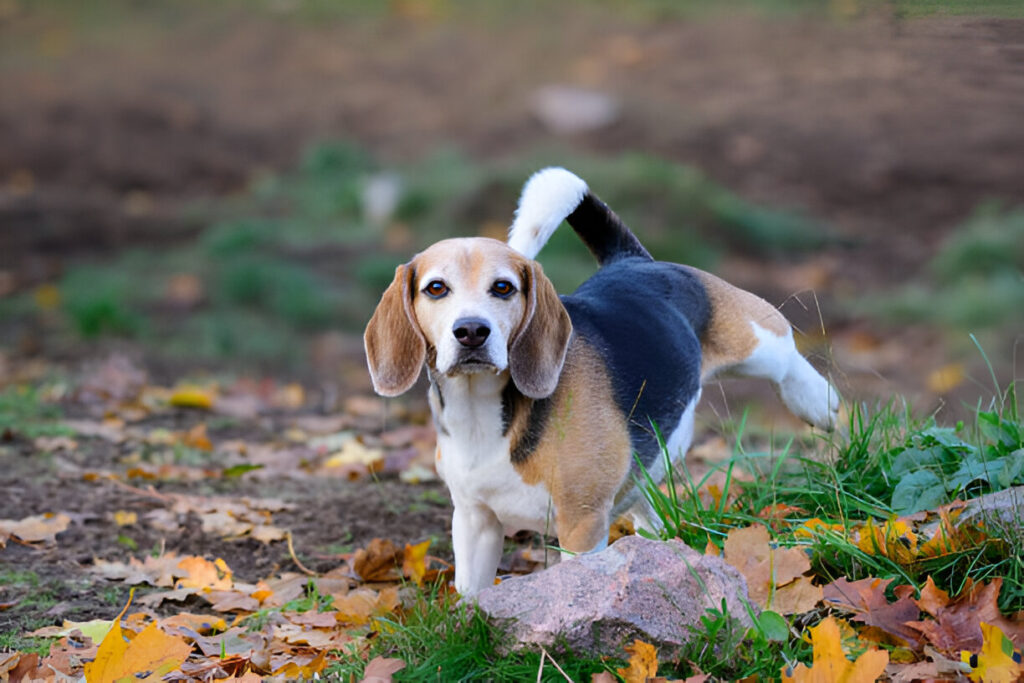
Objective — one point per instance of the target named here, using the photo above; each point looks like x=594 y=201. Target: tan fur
x=729 y=338
x=395 y=348
x=583 y=456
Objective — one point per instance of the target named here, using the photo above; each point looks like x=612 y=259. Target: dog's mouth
x=474 y=361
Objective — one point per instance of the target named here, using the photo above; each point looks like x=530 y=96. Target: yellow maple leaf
x=643 y=662
x=998 y=661
x=830 y=664
x=149 y=656
x=414 y=562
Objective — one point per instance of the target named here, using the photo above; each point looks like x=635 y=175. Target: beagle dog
x=546 y=406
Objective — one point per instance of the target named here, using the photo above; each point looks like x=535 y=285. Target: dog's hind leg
x=747 y=336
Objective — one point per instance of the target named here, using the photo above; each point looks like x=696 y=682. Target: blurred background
x=229 y=186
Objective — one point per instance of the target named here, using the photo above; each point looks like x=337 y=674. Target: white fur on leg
x=809 y=395
x=477 y=539
x=548 y=197
x=805 y=392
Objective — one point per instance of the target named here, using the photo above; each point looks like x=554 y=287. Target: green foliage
x=977 y=277
x=98 y=300
x=724 y=651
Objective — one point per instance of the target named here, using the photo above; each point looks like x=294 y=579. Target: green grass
x=24 y=411
x=299 y=254
x=442 y=640
x=872 y=473
x=977 y=275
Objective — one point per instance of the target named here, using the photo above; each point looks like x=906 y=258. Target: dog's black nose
x=471 y=332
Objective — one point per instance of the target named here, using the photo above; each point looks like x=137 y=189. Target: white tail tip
x=548 y=197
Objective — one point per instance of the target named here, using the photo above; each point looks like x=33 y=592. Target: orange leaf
x=765 y=568
x=643 y=662
x=147 y=657
x=205 y=574
x=198 y=438
x=830 y=665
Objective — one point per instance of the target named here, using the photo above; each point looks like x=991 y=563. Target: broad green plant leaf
x=920 y=490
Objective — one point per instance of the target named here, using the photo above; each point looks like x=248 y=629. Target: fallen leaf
x=643 y=663
x=380 y=670
x=895 y=539
x=190 y=396
x=125 y=517
x=35 y=529
x=765 y=568
x=866 y=599
x=198 y=438
x=378 y=561
x=95 y=630
x=414 y=564
x=830 y=664
x=957 y=625
x=945 y=379
x=797 y=597
x=147 y=657
x=204 y=574
x=997 y=662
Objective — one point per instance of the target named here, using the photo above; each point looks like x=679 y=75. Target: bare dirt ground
x=892 y=131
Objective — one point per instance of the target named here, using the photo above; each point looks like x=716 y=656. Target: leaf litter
x=293 y=624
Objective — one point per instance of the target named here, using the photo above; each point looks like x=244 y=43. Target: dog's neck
x=468 y=405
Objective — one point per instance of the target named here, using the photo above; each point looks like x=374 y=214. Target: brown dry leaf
x=643 y=663
x=380 y=670
x=866 y=599
x=765 y=568
x=36 y=529
x=957 y=625
x=797 y=597
x=379 y=561
x=232 y=601
x=156 y=571
x=199 y=623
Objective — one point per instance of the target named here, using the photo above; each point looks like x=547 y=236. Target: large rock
x=635 y=588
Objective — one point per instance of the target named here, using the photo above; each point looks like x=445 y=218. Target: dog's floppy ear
x=395 y=347
x=537 y=351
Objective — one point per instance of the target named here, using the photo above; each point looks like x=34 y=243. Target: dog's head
x=468 y=305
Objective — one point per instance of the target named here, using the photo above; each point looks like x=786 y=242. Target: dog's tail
x=552 y=195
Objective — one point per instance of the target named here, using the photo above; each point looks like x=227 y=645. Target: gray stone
x=636 y=588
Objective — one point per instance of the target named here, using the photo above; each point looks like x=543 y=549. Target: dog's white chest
x=474 y=455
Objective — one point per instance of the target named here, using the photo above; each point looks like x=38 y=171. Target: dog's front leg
x=477 y=537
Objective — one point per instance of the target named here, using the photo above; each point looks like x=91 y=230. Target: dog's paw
x=810 y=396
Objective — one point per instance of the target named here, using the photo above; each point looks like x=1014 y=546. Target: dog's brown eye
x=502 y=289
x=436 y=289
